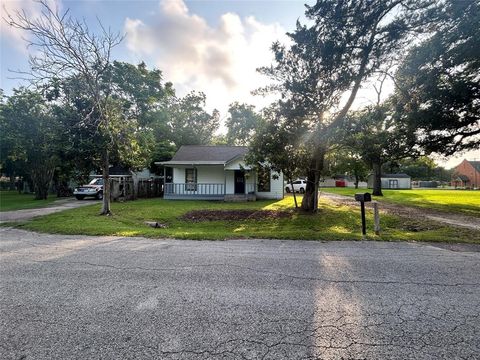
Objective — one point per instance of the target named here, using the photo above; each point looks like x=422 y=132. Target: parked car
x=299 y=185
x=94 y=189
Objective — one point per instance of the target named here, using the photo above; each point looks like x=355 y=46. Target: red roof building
x=467 y=175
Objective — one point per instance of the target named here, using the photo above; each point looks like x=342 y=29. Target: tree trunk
x=106 y=184
x=318 y=168
x=41 y=193
x=377 y=179
x=12 y=181
x=310 y=198
x=42 y=175
x=356 y=180
x=294 y=196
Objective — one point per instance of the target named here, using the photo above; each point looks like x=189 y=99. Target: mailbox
x=363 y=197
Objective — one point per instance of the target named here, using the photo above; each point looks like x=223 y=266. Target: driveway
x=79 y=297
x=56 y=206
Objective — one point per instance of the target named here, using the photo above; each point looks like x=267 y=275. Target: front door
x=239 y=182
x=393 y=184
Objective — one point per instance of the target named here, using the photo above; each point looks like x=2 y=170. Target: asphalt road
x=78 y=297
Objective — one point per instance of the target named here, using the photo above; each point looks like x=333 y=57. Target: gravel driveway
x=459 y=220
x=79 y=297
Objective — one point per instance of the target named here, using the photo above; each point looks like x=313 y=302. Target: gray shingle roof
x=475 y=164
x=202 y=153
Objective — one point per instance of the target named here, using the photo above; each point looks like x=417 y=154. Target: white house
x=218 y=173
x=393 y=181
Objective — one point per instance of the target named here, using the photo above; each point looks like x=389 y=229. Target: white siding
x=361 y=184
x=276 y=188
x=405 y=183
x=250 y=179
x=327 y=183
x=230 y=182
x=238 y=164
x=178 y=175
x=210 y=175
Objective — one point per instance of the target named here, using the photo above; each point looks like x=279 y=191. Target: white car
x=94 y=189
x=299 y=185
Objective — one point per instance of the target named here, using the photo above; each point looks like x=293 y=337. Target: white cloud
x=220 y=61
x=11 y=7
x=453 y=161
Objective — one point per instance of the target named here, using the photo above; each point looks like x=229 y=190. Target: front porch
x=208 y=191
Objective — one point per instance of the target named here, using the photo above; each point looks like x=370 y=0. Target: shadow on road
x=237 y=299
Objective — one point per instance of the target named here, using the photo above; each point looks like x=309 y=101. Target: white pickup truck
x=94 y=189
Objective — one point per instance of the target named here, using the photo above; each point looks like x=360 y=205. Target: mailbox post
x=363 y=197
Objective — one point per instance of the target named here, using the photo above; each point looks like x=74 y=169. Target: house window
x=191 y=179
x=263 y=184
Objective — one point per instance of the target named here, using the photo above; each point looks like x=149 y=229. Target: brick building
x=467 y=175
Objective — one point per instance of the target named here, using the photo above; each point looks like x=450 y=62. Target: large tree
x=242 y=122
x=438 y=85
x=35 y=127
x=11 y=151
x=343 y=44
x=347 y=161
x=138 y=99
x=65 y=48
x=376 y=136
x=188 y=121
x=276 y=145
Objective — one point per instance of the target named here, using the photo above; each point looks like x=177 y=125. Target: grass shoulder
x=332 y=222
x=465 y=202
x=12 y=200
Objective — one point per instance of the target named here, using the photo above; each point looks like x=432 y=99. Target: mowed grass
x=332 y=222
x=12 y=200
x=456 y=201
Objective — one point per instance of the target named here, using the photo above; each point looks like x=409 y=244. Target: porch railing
x=193 y=189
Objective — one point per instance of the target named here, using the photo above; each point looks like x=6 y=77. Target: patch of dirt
x=416 y=226
x=233 y=215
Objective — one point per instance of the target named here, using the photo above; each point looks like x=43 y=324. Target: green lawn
x=457 y=201
x=12 y=200
x=333 y=222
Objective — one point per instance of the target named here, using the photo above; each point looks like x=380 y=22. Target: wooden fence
x=150 y=188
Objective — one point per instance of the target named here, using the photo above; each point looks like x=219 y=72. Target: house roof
x=475 y=164
x=397 y=176
x=462 y=177
x=205 y=154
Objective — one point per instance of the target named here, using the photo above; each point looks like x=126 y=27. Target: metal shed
x=392 y=181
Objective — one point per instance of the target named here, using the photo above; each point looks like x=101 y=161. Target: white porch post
x=224 y=181
x=164 y=179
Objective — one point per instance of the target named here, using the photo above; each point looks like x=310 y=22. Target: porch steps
x=240 y=197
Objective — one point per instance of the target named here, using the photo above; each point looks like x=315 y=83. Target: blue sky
x=114 y=13
x=212 y=46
